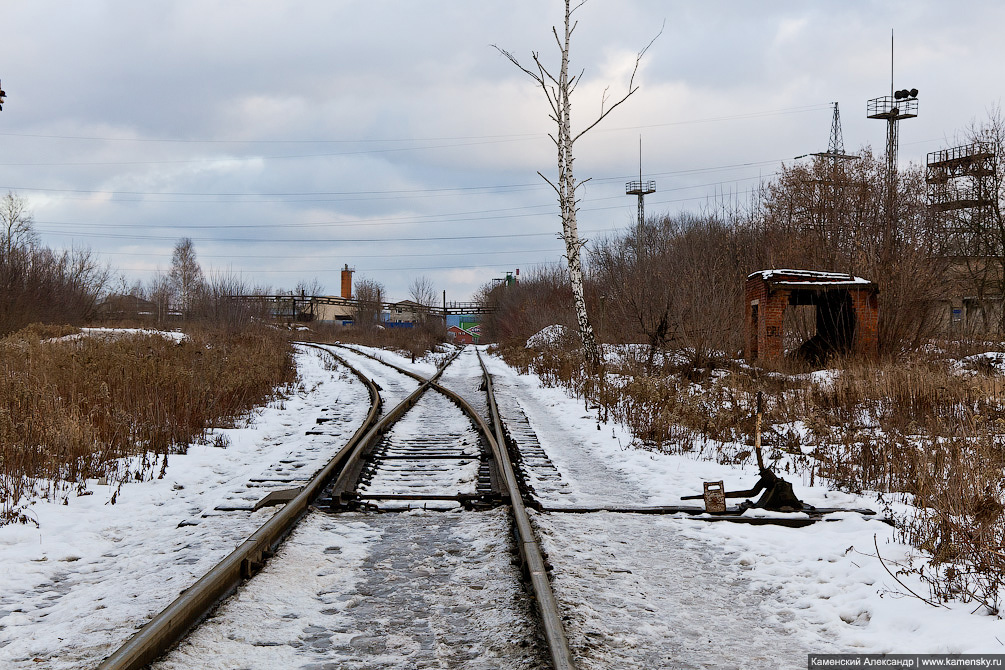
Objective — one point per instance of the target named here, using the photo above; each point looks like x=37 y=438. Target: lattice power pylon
x=835 y=147
x=830 y=186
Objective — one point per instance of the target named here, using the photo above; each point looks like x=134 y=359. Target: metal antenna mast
x=641 y=188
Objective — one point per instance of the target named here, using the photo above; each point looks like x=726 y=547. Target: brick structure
x=347 y=281
x=847 y=311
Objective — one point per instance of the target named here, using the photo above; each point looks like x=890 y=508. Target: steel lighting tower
x=641 y=188
x=902 y=104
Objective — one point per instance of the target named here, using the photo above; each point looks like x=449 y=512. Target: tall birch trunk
x=558 y=92
x=567 y=201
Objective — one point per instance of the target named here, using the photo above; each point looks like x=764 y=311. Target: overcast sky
x=290 y=138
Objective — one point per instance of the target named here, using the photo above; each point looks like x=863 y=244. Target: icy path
x=392 y=591
x=78 y=586
x=569 y=473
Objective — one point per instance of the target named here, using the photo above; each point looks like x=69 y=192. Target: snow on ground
x=641 y=589
x=434 y=589
x=393 y=591
x=111 y=333
x=394 y=386
x=76 y=587
x=547 y=336
x=425 y=365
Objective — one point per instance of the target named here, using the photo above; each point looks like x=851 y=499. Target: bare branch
x=514 y=60
x=631 y=88
x=906 y=588
x=550 y=183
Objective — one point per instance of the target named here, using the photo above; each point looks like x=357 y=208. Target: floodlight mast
x=902 y=104
x=641 y=188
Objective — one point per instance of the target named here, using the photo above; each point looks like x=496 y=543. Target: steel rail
x=530 y=552
x=349 y=475
x=171 y=624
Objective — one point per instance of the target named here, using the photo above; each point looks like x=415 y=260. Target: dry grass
x=70 y=409
x=918 y=427
x=415 y=341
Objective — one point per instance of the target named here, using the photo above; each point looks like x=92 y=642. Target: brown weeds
x=920 y=427
x=71 y=407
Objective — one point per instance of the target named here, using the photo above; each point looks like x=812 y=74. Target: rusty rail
x=171 y=624
x=530 y=552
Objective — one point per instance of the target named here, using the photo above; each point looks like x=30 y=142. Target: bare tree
x=221 y=303
x=186 y=275
x=558 y=91
x=17 y=225
x=422 y=292
x=673 y=280
x=309 y=288
x=159 y=292
x=908 y=265
x=369 y=301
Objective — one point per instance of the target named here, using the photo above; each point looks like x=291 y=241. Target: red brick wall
x=764 y=339
x=866 y=305
x=770 y=316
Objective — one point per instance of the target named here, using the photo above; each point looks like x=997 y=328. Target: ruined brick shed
x=847 y=313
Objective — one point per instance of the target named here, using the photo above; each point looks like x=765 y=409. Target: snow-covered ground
x=662 y=591
x=434 y=589
x=93 y=572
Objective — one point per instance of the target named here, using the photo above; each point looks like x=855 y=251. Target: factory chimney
x=347 y=281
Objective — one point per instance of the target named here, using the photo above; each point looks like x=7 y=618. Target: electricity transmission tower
x=832 y=184
x=835 y=147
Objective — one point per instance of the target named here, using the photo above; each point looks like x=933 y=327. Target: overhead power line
x=375 y=140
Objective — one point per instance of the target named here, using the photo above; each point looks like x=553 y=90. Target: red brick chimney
x=347 y=281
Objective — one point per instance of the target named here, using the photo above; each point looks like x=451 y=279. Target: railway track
x=432 y=452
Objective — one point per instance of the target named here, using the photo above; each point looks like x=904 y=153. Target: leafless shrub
x=369 y=299
x=960 y=518
x=43 y=286
x=675 y=283
x=542 y=298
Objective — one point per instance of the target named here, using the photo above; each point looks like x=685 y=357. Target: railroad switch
x=778 y=495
